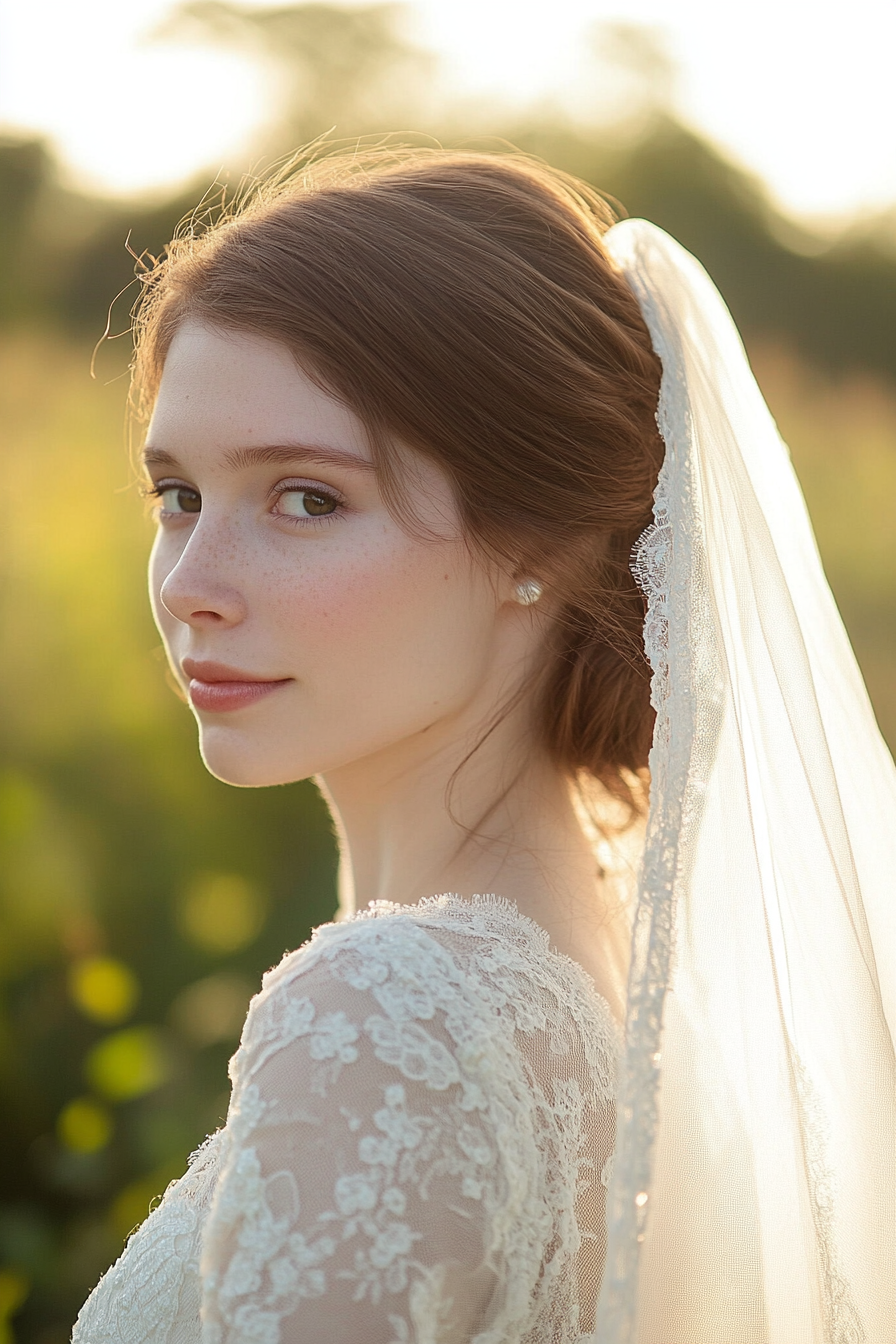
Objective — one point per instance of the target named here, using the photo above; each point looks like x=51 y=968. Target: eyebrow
x=237 y=459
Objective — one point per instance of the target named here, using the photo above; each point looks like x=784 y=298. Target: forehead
x=239 y=389
x=234 y=399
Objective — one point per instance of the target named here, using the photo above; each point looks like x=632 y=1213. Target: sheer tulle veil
x=754 y=1195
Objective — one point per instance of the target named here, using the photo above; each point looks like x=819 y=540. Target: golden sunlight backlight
x=801 y=91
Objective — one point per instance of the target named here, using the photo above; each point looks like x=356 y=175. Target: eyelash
x=311 y=488
x=158 y=489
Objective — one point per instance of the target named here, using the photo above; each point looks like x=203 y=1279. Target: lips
x=216 y=688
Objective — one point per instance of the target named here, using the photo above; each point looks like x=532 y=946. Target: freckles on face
x=380 y=642
x=366 y=588
x=277 y=558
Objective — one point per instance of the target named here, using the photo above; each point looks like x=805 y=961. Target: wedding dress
x=437 y=1134
x=416 y=1150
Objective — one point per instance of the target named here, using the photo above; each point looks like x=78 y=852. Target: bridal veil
x=754 y=1195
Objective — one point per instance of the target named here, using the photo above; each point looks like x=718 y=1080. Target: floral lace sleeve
x=417 y=1151
x=362 y=1187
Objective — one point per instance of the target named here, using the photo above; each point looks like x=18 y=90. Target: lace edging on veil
x=765 y=874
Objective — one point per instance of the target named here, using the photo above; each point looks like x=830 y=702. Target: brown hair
x=464 y=306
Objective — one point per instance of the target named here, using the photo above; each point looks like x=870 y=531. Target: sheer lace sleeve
x=416 y=1152
x=417 y=1144
x=362 y=1193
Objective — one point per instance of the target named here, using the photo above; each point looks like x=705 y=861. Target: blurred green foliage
x=140 y=900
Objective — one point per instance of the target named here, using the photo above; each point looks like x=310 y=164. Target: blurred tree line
x=140 y=900
x=832 y=301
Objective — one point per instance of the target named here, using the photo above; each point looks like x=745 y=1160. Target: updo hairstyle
x=463 y=306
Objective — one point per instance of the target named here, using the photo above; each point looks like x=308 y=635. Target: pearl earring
x=528 y=591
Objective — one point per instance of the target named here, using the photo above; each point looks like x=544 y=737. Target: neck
x=426 y=817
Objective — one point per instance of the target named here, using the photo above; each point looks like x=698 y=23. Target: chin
x=247 y=764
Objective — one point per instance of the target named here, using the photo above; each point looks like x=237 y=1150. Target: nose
x=198 y=589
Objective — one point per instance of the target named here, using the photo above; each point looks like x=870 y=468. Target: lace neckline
x=498 y=916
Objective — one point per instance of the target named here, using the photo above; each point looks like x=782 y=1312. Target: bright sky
x=801 y=91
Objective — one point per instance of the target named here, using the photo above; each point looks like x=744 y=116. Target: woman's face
x=308 y=628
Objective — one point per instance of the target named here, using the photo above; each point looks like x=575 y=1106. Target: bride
x=470 y=508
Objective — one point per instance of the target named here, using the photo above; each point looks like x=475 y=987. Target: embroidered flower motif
x=404 y=999
x=486 y=1116
x=473 y=1142
x=567 y=1099
x=377 y=1152
x=473 y=1098
x=394 y=1120
x=297 y=1272
x=359 y=971
x=395 y=1239
x=530 y=1014
x=354 y=1194
x=419 y=1056
x=251 y=1322
x=394 y=1200
x=282 y=1020
x=334 y=1038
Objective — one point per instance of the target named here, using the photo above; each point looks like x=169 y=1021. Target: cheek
x=412 y=614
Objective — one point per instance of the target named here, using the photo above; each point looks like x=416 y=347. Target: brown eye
x=180 y=499
x=306 y=503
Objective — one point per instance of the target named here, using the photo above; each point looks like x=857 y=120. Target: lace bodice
x=416 y=1150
